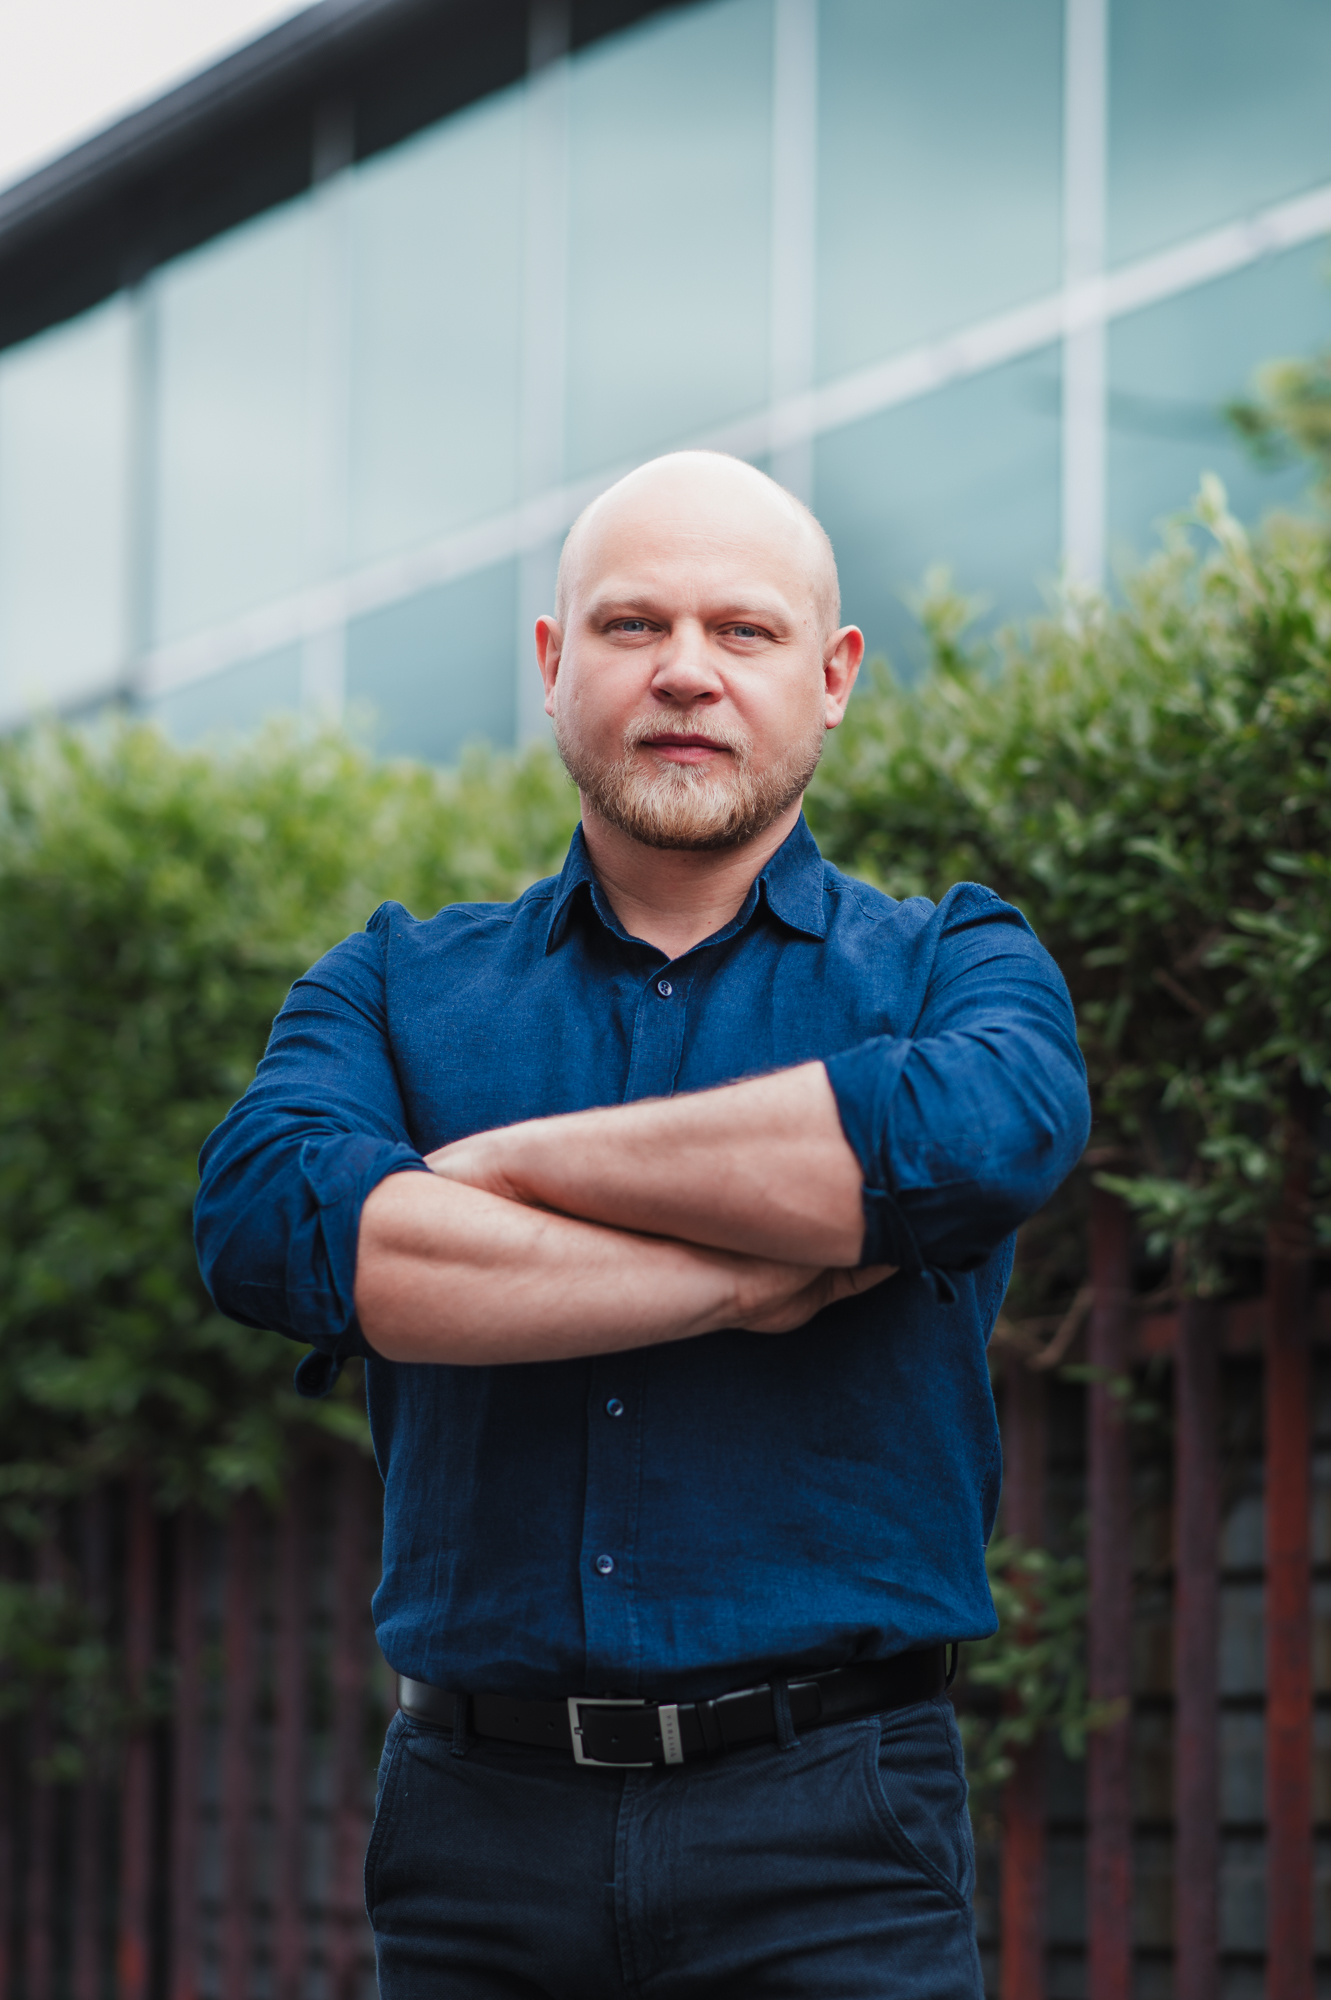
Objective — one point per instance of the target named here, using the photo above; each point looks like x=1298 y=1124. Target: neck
x=670 y=897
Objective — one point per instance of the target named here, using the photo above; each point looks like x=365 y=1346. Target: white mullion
x=1085 y=155
x=544 y=318
x=794 y=241
x=323 y=657
x=141 y=484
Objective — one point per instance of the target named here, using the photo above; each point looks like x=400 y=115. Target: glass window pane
x=1174 y=367
x=233 y=344
x=668 y=234
x=939 y=151
x=437 y=305
x=1215 y=107
x=64 y=509
x=967 y=477
x=538 y=573
x=233 y=701
x=427 y=676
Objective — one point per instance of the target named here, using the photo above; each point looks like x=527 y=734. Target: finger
x=848 y=1284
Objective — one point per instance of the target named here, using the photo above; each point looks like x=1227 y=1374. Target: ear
x=841 y=665
x=549 y=649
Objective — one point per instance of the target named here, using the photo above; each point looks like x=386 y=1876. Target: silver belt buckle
x=577 y=1701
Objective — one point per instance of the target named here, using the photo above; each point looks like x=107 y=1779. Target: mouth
x=684 y=747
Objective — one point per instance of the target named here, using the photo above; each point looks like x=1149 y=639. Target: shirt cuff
x=341 y=1173
x=864 y=1080
x=317 y=1372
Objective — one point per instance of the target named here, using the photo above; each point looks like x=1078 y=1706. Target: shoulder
x=392 y=923
x=970 y=926
x=970 y=906
x=964 y=904
x=459 y=923
x=357 y=968
x=849 y=897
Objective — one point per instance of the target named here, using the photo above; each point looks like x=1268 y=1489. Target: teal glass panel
x=1216 y=107
x=429 y=675
x=232 y=702
x=669 y=173
x=939 y=161
x=967 y=477
x=233 y=423
x=538 y=573
x=64 y=511
x=437 y=248
x=1173 y=368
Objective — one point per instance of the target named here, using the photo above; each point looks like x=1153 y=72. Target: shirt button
x=614 y=1408
x=664 y=988
x=604 y=1565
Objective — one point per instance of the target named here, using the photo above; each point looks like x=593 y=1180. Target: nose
x=685 y=670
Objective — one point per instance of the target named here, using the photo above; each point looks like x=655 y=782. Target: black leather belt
x=598 y=1730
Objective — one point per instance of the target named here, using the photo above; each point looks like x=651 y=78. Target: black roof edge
x=239 y=137
x=240 y=82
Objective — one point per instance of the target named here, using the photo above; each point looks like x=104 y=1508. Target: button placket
x=615 y=1405
x=610 y=1519
x=658 y=1036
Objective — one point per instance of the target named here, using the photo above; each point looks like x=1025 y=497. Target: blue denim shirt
x=679 y=1518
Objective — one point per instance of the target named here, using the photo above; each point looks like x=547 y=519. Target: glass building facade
x=975 y=281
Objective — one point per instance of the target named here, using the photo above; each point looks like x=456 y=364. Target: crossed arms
x=742 y=1206
x=605 y=1230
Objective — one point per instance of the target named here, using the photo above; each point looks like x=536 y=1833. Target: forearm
x=761 y=1167
x=448 y=1273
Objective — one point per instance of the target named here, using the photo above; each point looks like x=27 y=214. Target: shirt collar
x=576 y=873
x=792 y=883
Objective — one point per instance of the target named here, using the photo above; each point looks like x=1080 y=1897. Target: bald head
x=694 y=663
x=718 y=499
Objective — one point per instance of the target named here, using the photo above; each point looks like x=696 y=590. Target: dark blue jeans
x=839 y=1869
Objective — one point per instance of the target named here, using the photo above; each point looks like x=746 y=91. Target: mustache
x=708 y=728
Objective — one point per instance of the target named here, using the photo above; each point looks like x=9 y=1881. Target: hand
x=777 y=1298
x=476 y=1162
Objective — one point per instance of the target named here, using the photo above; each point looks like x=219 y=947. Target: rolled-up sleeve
x=284 y=1177
x=967 y=1125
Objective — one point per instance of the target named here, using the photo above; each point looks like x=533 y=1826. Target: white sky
x=70 y=67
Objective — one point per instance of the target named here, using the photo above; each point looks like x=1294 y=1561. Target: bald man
x=670 y=1207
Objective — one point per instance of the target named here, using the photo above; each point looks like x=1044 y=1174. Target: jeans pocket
x=389 y=1765
x=914 y=1776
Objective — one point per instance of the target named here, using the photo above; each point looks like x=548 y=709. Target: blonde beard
x=688 y=806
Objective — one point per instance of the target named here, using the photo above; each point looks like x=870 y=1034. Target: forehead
x=681 y=544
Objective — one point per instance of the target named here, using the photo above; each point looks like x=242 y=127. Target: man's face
x=695 y=678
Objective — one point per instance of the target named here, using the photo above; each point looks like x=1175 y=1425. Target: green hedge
x=1152 y=785
x=154 y=909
